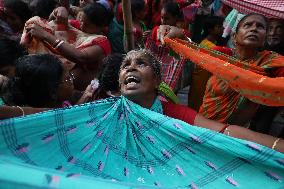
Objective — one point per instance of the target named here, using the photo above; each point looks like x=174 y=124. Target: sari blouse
x=223 y=103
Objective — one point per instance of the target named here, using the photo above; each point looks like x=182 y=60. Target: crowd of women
x=58 y=57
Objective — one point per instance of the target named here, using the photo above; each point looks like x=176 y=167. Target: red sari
x=84 y=73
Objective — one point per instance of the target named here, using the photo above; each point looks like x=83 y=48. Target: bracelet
x=275 y=143
x=224 y=128
x=59 y=44
x=22 y=110
x=57 y=41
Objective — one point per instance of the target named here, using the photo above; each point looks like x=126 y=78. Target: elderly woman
x=230 y=97
x=128 y=139
x=82 y=51
x=249 y=38
x=140 y=77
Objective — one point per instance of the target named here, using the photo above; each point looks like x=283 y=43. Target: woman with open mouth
x=132 y=140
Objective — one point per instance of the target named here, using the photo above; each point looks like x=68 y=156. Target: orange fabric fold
x=233 y=79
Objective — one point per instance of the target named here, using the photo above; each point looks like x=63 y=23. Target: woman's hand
x=61 y=15
x=74 y=11
x=170 y=32
x=89 y=92
x=36 y=31
x=3 y=82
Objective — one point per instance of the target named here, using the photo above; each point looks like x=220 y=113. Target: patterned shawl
x=234 y=78
x=116 y=143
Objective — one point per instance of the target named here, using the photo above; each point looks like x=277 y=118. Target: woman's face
x=137 y=78
x=275 y=33
x=85 y=23
x=251 y=32
x=167 y=19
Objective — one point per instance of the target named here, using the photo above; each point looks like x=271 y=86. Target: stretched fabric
x=117 y=143
x=248 y=79
x=172 y=66
x=268 y=8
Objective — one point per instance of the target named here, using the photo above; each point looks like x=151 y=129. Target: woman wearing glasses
x=39 y=81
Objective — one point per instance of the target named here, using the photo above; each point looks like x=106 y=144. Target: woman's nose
x=131 y=67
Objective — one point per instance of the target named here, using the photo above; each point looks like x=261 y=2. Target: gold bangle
x=275 y=143
x=22 y=110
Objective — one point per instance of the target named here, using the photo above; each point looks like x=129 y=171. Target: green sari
x=115 y=143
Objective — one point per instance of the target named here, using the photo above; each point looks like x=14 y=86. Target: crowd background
x=67 y=54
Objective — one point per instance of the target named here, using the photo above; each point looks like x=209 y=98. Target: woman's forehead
x=137 y=55
x=254 y=18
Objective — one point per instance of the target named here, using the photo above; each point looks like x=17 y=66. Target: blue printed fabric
x=115 y=143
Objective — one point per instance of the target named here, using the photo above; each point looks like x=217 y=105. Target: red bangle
x=224 y=128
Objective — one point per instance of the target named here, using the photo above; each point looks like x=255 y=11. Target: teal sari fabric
x=115 y=143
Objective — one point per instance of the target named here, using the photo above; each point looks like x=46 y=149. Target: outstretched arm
x=241 y=133
x=17 y=111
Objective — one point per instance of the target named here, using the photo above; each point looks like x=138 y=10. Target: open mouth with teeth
x=132 y=80
x=254 y=37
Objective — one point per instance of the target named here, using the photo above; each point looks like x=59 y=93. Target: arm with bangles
x=240 y=132
x=17 y=111
x=87 y=55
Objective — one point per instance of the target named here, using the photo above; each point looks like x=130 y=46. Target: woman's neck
x=145 y=102
x=244 y=53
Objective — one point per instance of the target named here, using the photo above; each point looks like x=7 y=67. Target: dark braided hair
x=108 y=77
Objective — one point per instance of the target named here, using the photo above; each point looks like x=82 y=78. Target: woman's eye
x=141 y=63
x=246 y=25
x=260 y=26
x=124 y=66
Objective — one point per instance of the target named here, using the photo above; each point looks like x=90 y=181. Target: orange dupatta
x=246 y=79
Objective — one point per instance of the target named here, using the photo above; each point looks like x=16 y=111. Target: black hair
x=109 y=75
x=20 y=8
x=98 y=14
x=211 y=22
x=10 y=50
x=36 y=81
x=248 y=15
x=43 y=8
x=136 y=6
x=173 y=9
